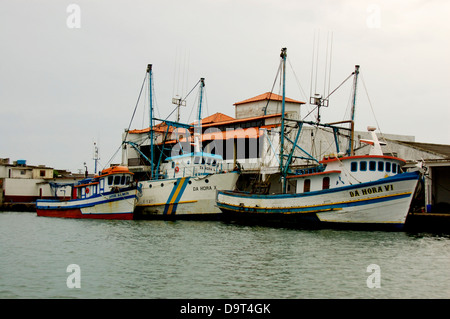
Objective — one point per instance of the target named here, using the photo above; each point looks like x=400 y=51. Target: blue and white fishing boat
x=369 y=191
x=181 y=186
x=109 y=195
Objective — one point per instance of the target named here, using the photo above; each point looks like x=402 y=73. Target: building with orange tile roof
x=267 y=103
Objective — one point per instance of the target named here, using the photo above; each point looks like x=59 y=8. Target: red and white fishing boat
x=109 y=195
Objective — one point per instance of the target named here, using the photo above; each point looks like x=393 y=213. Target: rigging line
x=273 y=86
x=310 y=112
x=317 y=61
x=174 y=71
x=312 y=64
x=326 y=65
x=298 y=81
x=331 y=55
x=373 y=113
x=192 y=90
x=340 y=85
x=183 y=99
x=137 y=103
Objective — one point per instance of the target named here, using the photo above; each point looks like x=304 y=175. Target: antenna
x=178 y=102
x=96 y=157
x=181 y=75
x=316 y=98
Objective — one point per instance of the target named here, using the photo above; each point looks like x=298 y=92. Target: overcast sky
x=70 y=75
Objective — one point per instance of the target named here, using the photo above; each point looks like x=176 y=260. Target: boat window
x=122 y=180
x=116 y=180
x=213 y=163
x=128 y=180
x=381 y=166
x=203 y=161
x=388 y=167
x=208 y=161
x=197 y=160
x=110 y=180
x=372 y=166
x=173 y=164
x=326 y=183
x=394 y=168
x=363 y=166
x=307 y=185
x=354 y=166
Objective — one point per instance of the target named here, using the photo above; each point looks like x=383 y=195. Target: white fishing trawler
x=183 y=184
x=369 y=191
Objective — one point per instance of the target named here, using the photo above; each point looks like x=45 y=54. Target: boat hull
x=379 y=204
x=186 y=197
x=112 y=205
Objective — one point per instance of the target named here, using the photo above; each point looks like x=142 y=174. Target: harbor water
x=54 y=258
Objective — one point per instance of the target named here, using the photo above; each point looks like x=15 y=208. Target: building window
x=363 y=166
x=307 y=185
x=372 y=166
x=326 y=183
x=42 y=173
x=381 y=166
x=354 y=166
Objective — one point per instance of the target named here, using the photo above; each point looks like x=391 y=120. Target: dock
x=432 y=222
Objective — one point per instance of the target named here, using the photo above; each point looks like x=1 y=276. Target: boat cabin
x=192 y=164
x=110 y=179
x=338 y=172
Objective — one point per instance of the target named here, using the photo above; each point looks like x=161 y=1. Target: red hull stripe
x=76 y=213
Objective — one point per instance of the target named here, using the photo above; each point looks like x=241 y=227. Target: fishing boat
x=342 y=190
x=109 y=195
x=182 y=182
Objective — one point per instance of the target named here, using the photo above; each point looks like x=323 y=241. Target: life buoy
x=177 y=169
x=87 y=190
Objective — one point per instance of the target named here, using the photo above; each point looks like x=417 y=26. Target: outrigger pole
x=355 y=82
x=149 y=71
x=283 y=175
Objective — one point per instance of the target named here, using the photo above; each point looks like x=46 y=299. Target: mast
x=197 y=147
x=149 y=71
x=355 y=82
x=282 y=171
x=96 y=157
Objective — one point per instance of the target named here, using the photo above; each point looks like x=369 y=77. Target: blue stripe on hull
x=314 y=209
x=40 y=204
x=387 y=180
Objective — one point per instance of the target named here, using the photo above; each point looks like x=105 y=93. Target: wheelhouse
x=110 y=179
x=337 y=172
x=192 y=164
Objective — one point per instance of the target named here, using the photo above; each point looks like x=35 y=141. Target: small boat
x=109 y=195
x=343 y=190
